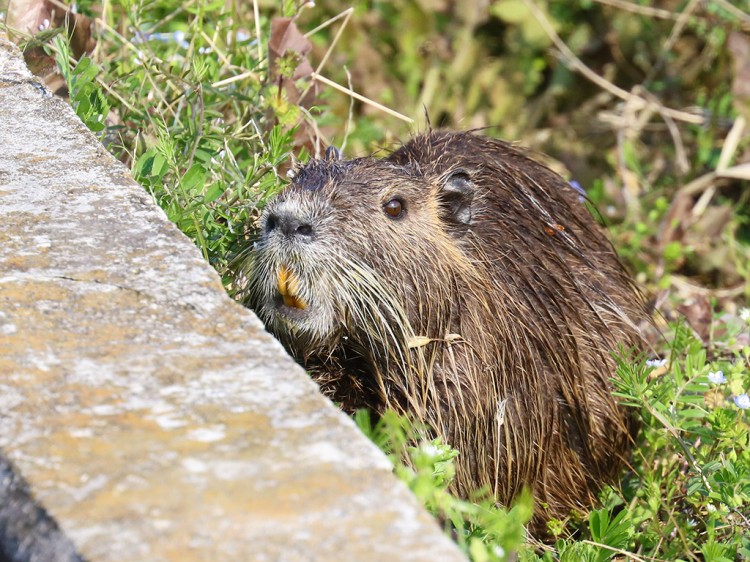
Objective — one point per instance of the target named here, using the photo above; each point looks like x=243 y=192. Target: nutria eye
x=394 y=208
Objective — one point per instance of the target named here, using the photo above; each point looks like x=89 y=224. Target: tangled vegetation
x=645 y=104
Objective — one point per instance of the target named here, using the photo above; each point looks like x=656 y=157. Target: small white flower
x=711 y=508
x=745 y=315
x=656 y=362
x=742 y=401
x=498 y=551
x=44 y=25
x=430 y=449
x=717 y=377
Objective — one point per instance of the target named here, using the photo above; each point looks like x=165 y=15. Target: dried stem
x=574 y=63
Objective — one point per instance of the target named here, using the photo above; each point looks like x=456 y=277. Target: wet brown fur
x=497 y=331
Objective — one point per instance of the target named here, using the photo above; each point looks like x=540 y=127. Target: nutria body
x=464 y=283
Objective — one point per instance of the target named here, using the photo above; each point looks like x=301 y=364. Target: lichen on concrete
x=152 y=416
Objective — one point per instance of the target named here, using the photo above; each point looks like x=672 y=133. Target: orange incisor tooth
x=292 y=285
x=281 y=279
x=288 y=285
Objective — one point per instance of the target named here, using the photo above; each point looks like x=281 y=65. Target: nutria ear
x=456 y=195
x=333 y=153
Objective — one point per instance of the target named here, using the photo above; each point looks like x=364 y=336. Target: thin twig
x=688 y=455
x=731 y=143
x=697 y=185
x=682 y=21
x=680 y=155
x=319 y=137
x=328 y=22
x=674 y=34
x=350 y=118
x=628 y=555
x=348 y=12
x=360 y=97
x=727 y=292
x=215 y=48
x=236 y=78
x=199 y=126
x=734 y=10
x=335 y=40
x=722 y=168
x=702 y=204
x=738 y=172
x=574 y=63
x=638 y=9
x=259 y=43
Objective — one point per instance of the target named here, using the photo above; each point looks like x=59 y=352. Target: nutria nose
x=289 y=224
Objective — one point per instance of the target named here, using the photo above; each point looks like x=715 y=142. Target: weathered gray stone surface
x=152 y=416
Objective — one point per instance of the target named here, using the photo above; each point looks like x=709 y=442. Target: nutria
x=465 y=284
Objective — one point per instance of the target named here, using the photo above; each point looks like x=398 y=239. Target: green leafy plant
x=486 y=532
x=86 y=97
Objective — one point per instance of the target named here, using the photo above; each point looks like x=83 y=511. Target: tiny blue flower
x=581 y=192
x=173 y=37
x=577 y=186
x=742 y=401
x=717 y=377
x=656 y=362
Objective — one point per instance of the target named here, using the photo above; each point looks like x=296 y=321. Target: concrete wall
x=151 y=415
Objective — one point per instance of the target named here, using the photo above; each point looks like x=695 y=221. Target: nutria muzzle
x=289 y=224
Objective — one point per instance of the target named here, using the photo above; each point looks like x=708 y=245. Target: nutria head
x=348 y=246
x=467 y=285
